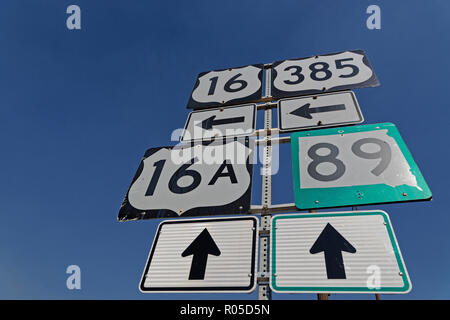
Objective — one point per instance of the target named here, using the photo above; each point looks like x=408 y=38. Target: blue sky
x=79 y=108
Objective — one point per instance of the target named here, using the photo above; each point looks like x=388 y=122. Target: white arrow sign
x=323 y=110
x=220 y=122
x=334 y=252
x=203 y=255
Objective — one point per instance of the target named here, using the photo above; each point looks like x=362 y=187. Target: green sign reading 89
x=354 y=166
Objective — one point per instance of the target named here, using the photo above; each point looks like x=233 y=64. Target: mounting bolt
x=275 y=275
x=316 y=202
x=400 y=274
x=405 y=194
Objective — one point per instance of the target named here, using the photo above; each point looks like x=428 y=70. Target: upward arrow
x=210 y=122
x=332 y=243
x=200 y=248
x=305 y=110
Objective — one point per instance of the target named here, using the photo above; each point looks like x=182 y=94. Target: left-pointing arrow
x=306 y=110
x=210 y=122
x=200 y=248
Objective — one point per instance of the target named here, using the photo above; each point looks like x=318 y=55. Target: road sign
x=324 y=73
x=203 y=255
x=323 y=110
x=337 y=252
x=227 y=87
x=220 y=122
x=351 y=166
x=192 y=180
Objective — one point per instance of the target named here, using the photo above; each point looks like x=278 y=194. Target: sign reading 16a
x=190 y=180
x=174 y=185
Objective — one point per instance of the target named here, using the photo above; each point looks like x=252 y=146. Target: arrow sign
x=305 y=110
x=332 y=243
x=297 y=268
x=209 y=123
x=200 y=248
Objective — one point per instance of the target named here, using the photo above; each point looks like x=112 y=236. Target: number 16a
x=225 y=170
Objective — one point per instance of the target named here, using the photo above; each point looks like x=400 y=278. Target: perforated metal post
x=264 y=292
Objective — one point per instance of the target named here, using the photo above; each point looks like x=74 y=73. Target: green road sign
x=352 y=166
x=347 y=252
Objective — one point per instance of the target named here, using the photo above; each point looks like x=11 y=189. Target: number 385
x=320 y=71
x=384 y=154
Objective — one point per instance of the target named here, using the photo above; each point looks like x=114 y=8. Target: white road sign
x=346 y=252
x=323 y=110
x=192 y=180
x=203 y=255
x=220 y=122
x=227 y=87
x=324 y=73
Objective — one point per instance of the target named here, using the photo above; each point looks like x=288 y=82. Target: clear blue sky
x=79 y=108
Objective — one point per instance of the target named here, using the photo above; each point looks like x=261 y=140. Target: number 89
x=384 y=154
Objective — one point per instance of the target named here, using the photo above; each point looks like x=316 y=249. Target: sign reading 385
x=354 y=166
x=324 y=73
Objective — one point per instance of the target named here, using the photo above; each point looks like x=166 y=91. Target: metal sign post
x=264 y=292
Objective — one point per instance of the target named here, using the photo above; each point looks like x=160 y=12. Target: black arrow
x=332 y=243
x=305 y=111
x=207 y=124
x=200 y=248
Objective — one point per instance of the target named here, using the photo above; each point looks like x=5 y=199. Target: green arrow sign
x=351 y=252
